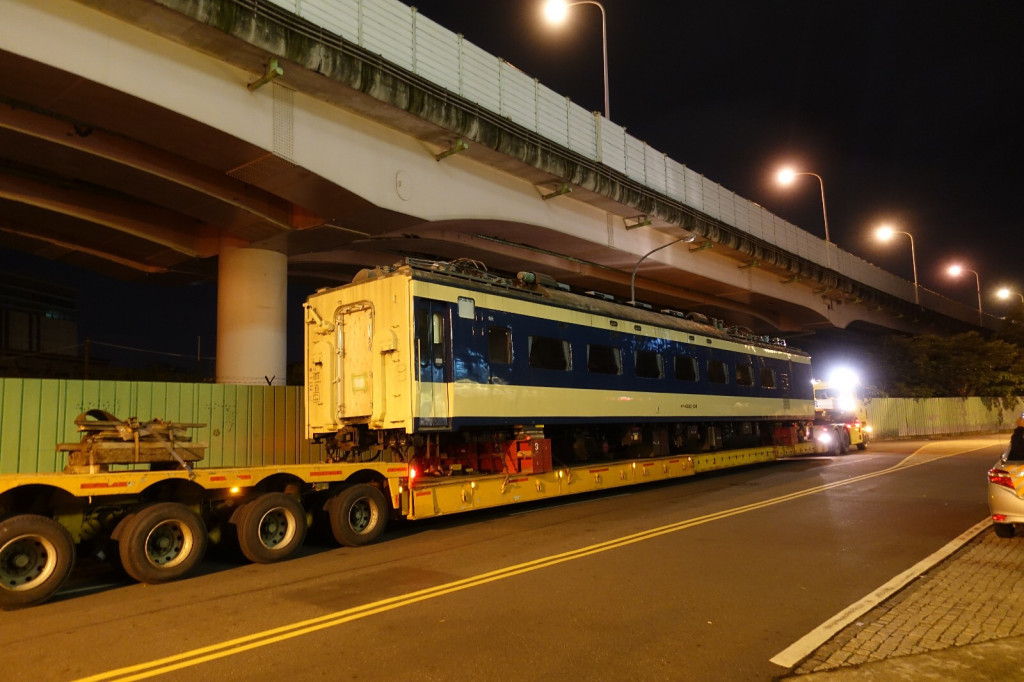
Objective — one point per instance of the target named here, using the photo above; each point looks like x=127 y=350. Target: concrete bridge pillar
x=252 y=288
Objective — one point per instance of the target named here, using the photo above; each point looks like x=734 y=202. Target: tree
x=963 y=365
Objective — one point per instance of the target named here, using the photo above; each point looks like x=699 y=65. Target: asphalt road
x=704 y=579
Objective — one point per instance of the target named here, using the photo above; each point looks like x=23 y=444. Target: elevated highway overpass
x=253 y=140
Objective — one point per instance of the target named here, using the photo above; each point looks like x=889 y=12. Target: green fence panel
x=910 y=417
x=243 y=425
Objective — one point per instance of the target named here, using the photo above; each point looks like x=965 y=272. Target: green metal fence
x=263 y=425
x=908 y=417
x=245 y=425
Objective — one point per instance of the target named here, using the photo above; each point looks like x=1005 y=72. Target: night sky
x=911 y=111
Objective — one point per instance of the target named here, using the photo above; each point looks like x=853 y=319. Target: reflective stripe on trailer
x=104 y=484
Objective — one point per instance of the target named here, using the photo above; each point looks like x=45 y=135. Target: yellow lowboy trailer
x=435 y=497
x=162 y=520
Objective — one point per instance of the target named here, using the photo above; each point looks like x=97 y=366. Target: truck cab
x=840 y=416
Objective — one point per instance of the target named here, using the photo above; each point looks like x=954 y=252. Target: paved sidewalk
x=962 y=620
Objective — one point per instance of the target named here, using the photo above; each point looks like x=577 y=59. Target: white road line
x=804 y=646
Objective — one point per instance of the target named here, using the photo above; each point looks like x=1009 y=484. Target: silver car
x=1006 y=493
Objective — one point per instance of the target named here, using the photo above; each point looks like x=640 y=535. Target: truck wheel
x=271 y=528
x=862 y=446
x=161 y=542
x=36 y=557
x=833 y=443
x=844 y=441
x=358 y=515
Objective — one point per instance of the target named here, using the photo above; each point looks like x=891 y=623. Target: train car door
x=355 y=355
x=433 y=349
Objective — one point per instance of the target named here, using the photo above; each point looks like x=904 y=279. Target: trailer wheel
x=271 y=528
x=161 y=542
x=36 y=557
x=358 y=515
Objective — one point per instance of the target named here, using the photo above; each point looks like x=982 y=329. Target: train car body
x=458 y=357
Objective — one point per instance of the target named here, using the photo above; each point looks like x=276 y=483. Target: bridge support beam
x=252 y=288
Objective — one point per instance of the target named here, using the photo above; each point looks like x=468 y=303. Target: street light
x=787 y=176
x=955 y=271
x=1005 y=294
x=556 y=10
x=632 y=278
x=886 y=233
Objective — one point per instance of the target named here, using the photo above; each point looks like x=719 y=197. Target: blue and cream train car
x=435 y=358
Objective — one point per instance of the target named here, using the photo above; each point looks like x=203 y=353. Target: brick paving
x=976 y=595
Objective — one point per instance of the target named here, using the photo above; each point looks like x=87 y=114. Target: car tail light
x=999 y=518
x=1000 y=477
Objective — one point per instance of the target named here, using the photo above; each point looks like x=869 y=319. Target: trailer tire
x=358 y=515
x=161 y=542
x=271 y=528
x=36 y=557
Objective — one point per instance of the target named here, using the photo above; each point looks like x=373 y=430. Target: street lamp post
x=556 y=11
x=787 y=176
x=956 y=271
x=632 y=278
x=1005 y=294
x=885 y=233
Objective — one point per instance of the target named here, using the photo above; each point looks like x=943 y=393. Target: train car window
x=549 y=353
x=767 y=377
x=437 y=338
x=603 y=359
x=718 y=373
x=422 y=329
x=467 y=308
x=649 y=364
x=686 y=368
x=421 y=323
x=744 y=375
x=499 y=345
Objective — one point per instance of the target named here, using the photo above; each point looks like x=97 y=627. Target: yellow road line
x=231 y=647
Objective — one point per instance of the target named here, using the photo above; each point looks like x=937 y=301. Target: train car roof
x=542 y=289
